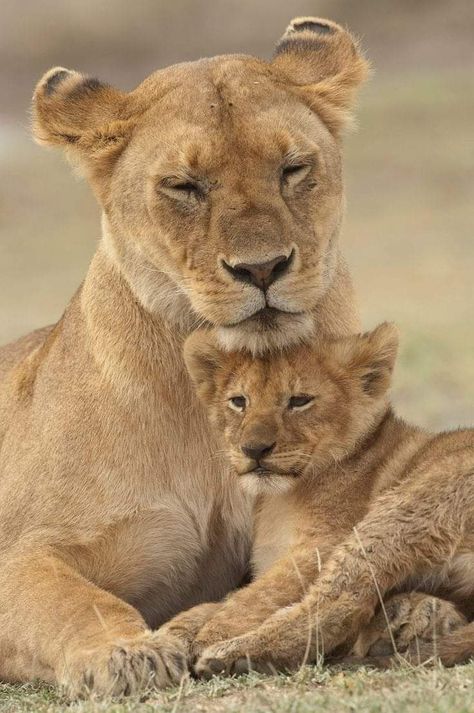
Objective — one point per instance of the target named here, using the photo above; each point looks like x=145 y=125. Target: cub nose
x=261 y=274
x=257 y=451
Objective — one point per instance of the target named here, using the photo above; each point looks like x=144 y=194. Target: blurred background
x=409 y=168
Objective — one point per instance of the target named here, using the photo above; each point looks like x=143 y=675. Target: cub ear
x=82 y=114
x=324 y=65
x=203 y=358
x=371 y=357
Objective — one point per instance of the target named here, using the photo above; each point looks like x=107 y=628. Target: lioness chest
x=129 y=488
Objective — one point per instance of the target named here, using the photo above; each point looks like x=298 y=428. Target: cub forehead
x=271 y=373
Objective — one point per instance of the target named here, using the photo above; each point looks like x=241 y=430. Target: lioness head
x=220 y=180
x=286 y=416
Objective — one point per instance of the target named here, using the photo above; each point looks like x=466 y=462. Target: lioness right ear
x=84 y=115
x=323 y=64
x=203 y=357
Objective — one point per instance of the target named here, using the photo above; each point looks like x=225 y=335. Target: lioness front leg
x=59 y=627
x=405 y=532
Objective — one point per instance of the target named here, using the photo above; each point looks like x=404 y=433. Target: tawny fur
x=115 y=508
x=354 y=505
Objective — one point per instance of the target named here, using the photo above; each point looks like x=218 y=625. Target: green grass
x=337 y=690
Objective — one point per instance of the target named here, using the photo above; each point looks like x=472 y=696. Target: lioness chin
x=354 y=504
x=220 y=183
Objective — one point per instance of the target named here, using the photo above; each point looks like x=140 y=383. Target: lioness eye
x=182 y=190
x=187 y=187
x=238 y=403
x=294 y=173
x=300 y=401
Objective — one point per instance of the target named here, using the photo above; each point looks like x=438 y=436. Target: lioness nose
x=257 y=451
x=261 y=274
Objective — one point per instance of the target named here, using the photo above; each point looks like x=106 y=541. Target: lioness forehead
x=221 y=92
x=218 y=80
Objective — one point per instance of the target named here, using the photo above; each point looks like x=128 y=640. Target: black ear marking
x=319 y=27
x=371 y=379
x=294 y=44
x=87 y=86
x=91 y=83
x=54 y=80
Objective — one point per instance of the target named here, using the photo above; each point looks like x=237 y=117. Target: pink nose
x=261 y=274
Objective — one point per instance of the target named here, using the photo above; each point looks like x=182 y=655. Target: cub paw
x=408 y=620
x=126 y=667
x=230 y=658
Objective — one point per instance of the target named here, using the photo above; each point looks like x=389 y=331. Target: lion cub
x=311 y=432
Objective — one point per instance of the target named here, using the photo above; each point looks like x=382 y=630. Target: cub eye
x=299 y=402
x=238 y=403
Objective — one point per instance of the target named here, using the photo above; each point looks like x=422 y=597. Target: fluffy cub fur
x=354 y=504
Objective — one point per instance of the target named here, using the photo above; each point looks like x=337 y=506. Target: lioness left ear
x=87 y=117
x=203 y=357
x=370 y=357
x=323 y=64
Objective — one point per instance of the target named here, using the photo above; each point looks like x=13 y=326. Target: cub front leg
x=407 y=531
x=59 y=627
x=244 y=610
x=184 y=627
x=406 y=621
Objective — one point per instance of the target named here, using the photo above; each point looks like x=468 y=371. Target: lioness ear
x=324 y=65
x=82 y=114
x=371 y=357
x=203 y=358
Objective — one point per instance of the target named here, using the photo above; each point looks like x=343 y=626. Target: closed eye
x=294 y=173
x=182 y=190
x=188 y=187
x=300 y=402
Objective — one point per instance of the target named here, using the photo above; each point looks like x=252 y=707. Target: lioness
x=312 y=432
x=221 y=188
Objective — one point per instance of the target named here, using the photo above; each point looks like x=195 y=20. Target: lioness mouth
x=265 y=317
x=268 y=316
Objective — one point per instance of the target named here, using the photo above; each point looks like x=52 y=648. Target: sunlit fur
x=109 y=474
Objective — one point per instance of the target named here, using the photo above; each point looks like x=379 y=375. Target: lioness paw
x=126 y=667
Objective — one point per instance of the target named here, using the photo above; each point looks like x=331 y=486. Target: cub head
x=220 y=180
x=290 y=415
